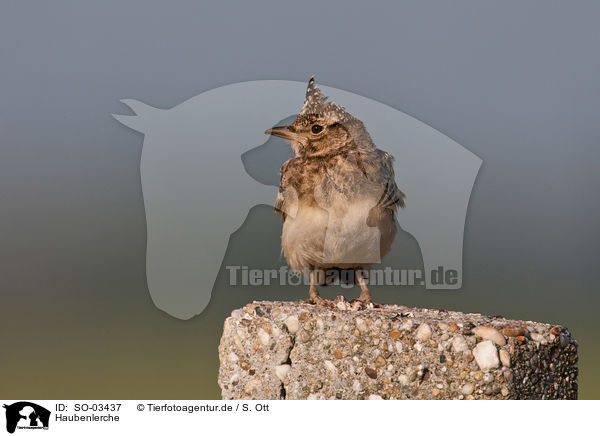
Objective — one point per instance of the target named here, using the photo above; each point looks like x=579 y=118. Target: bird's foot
x=364 y=303
x=319 y=301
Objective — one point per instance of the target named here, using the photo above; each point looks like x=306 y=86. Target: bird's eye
x=316 y=129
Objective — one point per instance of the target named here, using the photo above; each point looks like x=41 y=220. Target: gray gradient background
x=514 y=82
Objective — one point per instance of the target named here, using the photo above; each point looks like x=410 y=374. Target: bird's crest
x=314 y=98
x=316 y=103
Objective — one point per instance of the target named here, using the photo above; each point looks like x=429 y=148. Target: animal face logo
x=24 y=414
x=197 y=192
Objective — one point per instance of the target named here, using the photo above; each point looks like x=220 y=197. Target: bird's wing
x=391 y=197
x=286 y=201
x=280 y=200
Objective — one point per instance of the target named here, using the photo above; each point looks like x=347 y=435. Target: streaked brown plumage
x=338 y=196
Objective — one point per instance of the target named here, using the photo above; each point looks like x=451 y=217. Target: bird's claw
x=319 y=302
x=365 y=303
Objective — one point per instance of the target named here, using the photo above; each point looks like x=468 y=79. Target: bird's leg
x=313 y=293
x=365 y=294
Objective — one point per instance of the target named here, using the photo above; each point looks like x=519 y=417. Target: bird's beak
x=285 y=132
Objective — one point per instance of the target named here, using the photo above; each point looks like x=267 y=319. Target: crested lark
x=337 y=196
